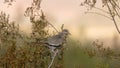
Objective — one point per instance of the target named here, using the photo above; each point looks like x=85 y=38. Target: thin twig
x=115 y=4
x=99 y=9
x=99 y=14
x=53 y=59
x=47 y=21
x=52 y=26
x=117 y=13
x=113 y=18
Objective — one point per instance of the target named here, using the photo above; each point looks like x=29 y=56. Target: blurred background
x=67 y=12
x=84 y=28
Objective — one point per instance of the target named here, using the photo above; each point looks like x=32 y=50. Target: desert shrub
x=18 y=50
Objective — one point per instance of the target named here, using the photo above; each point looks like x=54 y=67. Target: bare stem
x=113 y=18
x=55 y=53
x=115 y=3
x=98 y=9
x=53 y=27
x=100 y=14
x=115 y=8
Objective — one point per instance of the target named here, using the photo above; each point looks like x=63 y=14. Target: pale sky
x=67 y=12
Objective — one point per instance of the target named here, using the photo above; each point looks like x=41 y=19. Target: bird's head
x=65 y=32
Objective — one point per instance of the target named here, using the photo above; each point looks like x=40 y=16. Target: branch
x=100 y=14
x=43 y=16
x=115 y=8
x=113 y=18
x=101 y=10
x=53 y=26
x=97 y=8
x=115 y=4
x=53 y=59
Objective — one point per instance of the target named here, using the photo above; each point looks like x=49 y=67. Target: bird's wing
x=55 y=40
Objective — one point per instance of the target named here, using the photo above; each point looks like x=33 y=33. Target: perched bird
x=56 y=41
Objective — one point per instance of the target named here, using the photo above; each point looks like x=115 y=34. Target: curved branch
x=117 y=12
x=100 y=14
x=113 y=18
x=52 y=26
x=98 y=9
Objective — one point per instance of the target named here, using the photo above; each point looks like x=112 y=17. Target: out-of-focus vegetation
x=110 y=9
x=91 y=55
x=18 y=50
